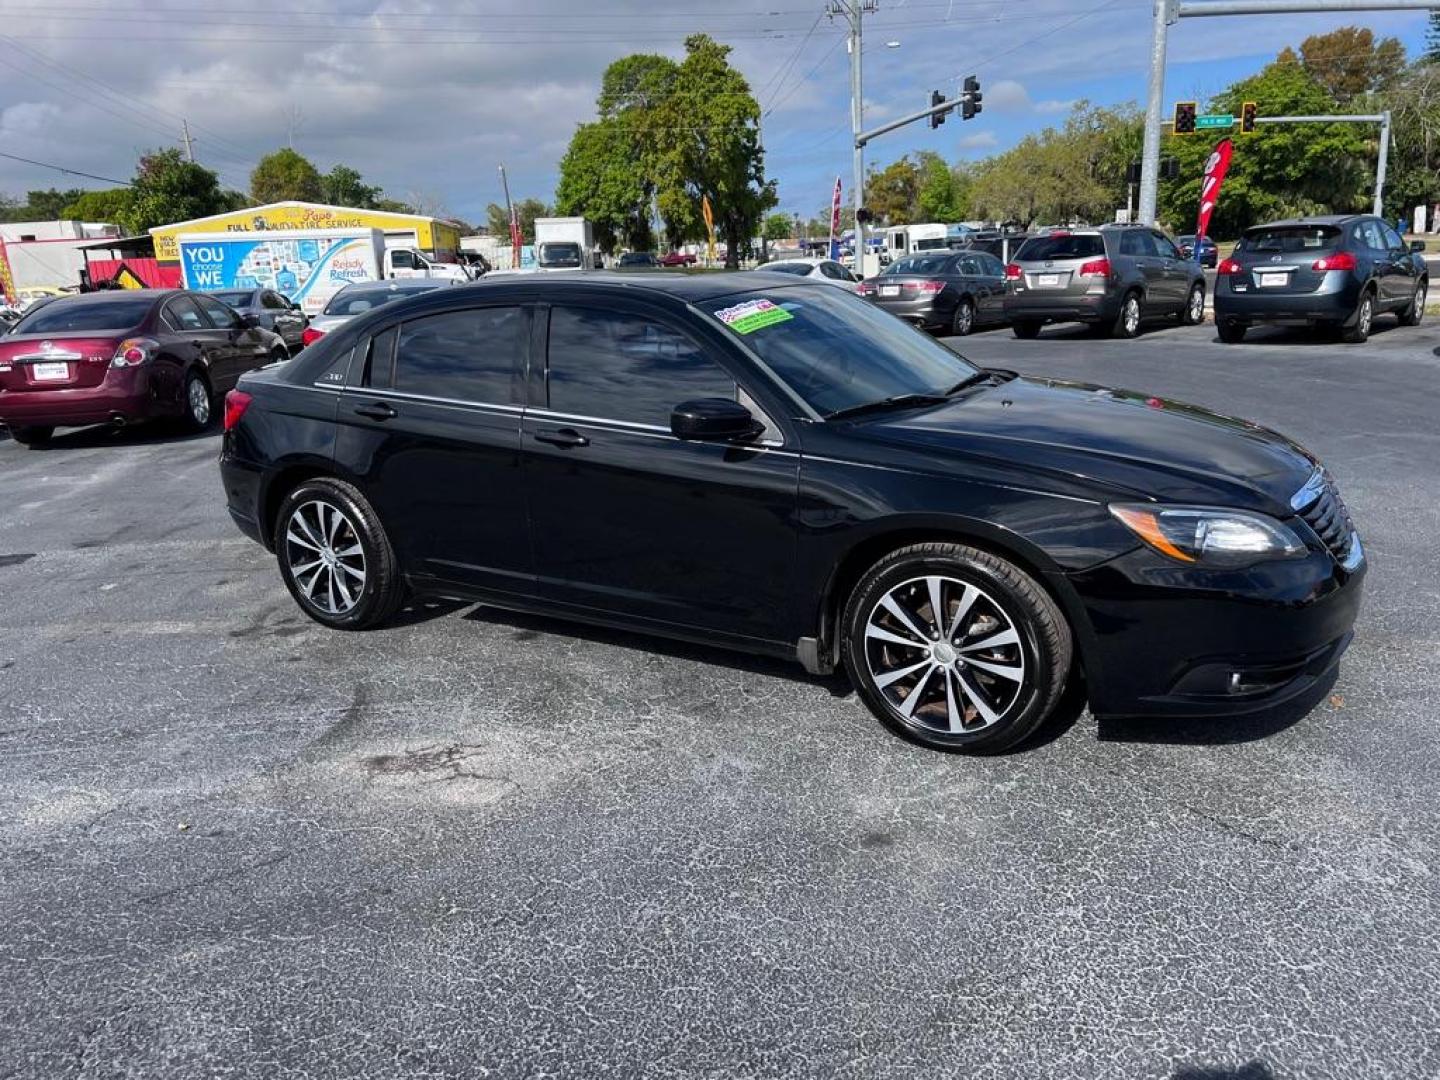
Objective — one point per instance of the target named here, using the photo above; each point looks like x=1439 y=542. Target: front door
x=244 y=349
x=432 y=413
x=1175 y=271
x=629 y=520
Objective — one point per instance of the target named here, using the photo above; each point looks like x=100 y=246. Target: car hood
x=1121 y=443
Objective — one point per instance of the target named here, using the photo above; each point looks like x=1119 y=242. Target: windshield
x=837 y=351
x=234 y=299
x=920 y=264
x=1289 y=238
x=1067 y=246
x=58 y=318
x=362 y=300
x=559 y=254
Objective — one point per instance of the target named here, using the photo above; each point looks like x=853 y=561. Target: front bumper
x=1333 y=302
x=1170 y=640
x=125 y=395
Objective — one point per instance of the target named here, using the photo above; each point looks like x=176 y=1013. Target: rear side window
x=1289 y=238
x=470 y=355
x=619 y=366
x=1073 y=246
x=182 y=314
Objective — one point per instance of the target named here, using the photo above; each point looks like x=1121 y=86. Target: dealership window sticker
x=753 y=315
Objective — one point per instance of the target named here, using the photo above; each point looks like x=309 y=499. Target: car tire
x=1025 y=329
x=1413 y=314
x=1194 y=313
x=32 y=435
x=1357 y=331
x=963 y=321
x=968 y=696
x=335 y=556
x=1230 y=333
x=279 y=355
x=198 y=403
x=1127 y=319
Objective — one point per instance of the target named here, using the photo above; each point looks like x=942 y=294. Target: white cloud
x=981 y=140
x=1055 y=105
x=1007 y=95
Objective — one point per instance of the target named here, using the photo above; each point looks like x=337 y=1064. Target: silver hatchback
x=1113 y=277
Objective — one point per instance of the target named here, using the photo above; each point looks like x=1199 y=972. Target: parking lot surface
x=233 y=843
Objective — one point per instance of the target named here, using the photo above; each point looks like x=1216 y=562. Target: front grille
x=1319 y=503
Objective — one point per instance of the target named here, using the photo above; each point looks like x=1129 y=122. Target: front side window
x=614 y=365
x=183 y=314
x=835 y=350
x=473 y=355
x=1392 y=239
x=402 y=260
x=1163 y=247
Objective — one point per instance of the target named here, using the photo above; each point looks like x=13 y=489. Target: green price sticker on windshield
x=753 y=315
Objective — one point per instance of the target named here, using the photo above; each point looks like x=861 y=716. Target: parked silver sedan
x=826 y=270
x=354 y=300
x=272 y=311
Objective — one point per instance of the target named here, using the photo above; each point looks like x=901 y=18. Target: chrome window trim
x=402 y=395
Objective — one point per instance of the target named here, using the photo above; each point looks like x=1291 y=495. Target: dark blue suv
x=1337 y=271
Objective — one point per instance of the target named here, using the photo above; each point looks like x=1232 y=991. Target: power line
x=819 y=64
x=68 y=172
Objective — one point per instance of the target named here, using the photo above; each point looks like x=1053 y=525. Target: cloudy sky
x=427 y=98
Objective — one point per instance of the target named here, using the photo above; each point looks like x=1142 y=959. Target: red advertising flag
x=835 y=221
x=1215 y=168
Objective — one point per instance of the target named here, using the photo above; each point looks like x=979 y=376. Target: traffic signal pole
x=1168 y=11
x=1382 y=160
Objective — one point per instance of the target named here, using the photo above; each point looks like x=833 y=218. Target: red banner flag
x=1215 y=168
x=835 y=221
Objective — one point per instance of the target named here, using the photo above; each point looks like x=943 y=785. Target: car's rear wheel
x=33 y=435
x=335 y=557
x=1194 y=313
x=279 y=355
x=955 y=648
x=1412 y=315
x=963 y=321
x=1358 y=330
x=1231 y=333
x=1127 y=321
x=1025 y=328
x=198 y=402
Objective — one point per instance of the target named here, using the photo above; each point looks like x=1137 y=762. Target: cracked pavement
x=233 y=843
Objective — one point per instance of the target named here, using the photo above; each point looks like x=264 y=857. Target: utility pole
x=189 y=143
x=854 y=11
x=1168 y=11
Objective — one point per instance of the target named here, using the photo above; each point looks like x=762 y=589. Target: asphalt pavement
x=475 y=844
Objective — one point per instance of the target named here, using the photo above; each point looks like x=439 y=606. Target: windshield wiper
x=969 y=381
x=899 y=401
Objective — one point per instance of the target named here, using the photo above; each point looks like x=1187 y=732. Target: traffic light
x=864 y=216
x=1247 y=118
x=1169 y=168
x=1185 y=118
x=971 y=98
x=936 y=118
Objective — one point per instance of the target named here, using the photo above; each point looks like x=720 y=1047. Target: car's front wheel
x=955 y=648
x=1025 y=329
x=335 y=557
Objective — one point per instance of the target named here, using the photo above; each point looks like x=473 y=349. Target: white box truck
x=307 y=265
x=564 y=243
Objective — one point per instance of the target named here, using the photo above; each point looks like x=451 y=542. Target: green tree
x=343 y=186
x=1349 y=62
x=285 y=175
x=168 y=189
x=893 y=193
x=1432 y=39
x=944 y=191
x=108 y=204
x=599 y=180
x=527 y=210
x=1414 y=166
x=41 y=205
x=778 y=226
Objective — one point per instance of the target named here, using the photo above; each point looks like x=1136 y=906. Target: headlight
x=1206 y=536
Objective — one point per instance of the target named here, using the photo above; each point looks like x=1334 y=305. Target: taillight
x=1013 y=272
x=236 y=402
x=310 y=335
x=930 y=286
x=1228 y=267
x=1095 y=268
x=132 y=352
x=1341 y=260
x=865 y=288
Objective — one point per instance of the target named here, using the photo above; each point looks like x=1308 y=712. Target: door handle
x=377 y=411
x=565 y=437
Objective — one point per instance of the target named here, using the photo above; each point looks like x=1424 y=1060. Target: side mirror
x=249 y=322
x=713 y=420
x=1417 y=246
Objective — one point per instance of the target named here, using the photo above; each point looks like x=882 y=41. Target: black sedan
x=948 y=293
x=1323 y=271
x=270 y=310
x=759 y=463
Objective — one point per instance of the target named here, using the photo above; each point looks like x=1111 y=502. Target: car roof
x=1318 y=219
x=403 y=285
x=100 y=296
x=688 y=288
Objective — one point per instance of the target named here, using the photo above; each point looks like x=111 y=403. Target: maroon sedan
x=119 y=357
x=677 y=258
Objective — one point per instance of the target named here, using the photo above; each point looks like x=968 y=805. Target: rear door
x=431 y=424
x=630 y=520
